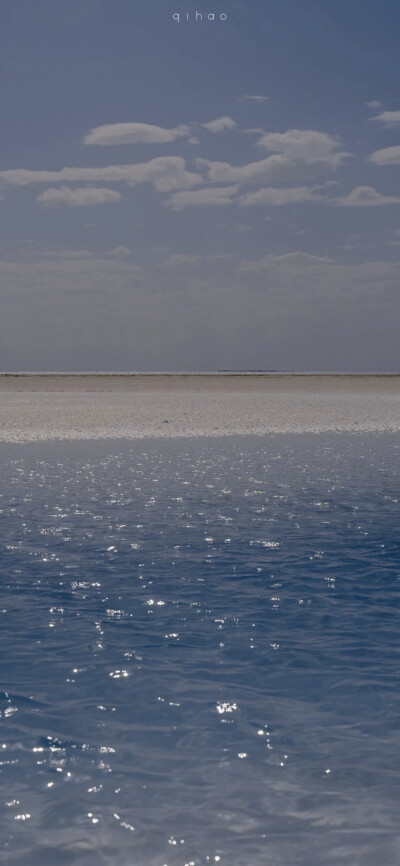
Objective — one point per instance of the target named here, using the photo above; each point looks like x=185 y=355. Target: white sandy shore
x=88 y=406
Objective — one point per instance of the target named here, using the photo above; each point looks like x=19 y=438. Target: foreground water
x=200 y=652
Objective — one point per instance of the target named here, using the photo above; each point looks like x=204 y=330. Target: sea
x=200 y=655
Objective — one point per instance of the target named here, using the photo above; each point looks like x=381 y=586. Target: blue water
x=200 y=652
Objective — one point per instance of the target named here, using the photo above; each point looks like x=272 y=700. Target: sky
x=210 y=194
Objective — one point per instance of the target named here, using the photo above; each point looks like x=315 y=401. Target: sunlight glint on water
x=200 y=653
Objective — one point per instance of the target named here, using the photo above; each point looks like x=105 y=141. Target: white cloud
x=327 y=183
x=208 y=196
x=374 y=104
x=65 y=254
x=365 y=196
x=303 y=283
x=181 y=259
x=390 y=118
x=242 y=227
x=298 y=154
x=273 y=169
x=81 y=197
x=166 y=173
x=253 y=97
x=271 y=196
x=65 y=271
x=305 y=145
x=319 y=277
x=386 y=156
x=120 y=251
x=134 y=133
x=298 y=260
x=220 y=124
x=255 y=130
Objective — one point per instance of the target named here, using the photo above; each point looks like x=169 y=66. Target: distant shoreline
x=137 y=374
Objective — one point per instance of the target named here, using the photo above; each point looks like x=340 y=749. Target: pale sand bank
x=195 y=382
x=88 y=406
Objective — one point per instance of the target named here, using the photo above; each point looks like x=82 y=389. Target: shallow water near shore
x=200 y=653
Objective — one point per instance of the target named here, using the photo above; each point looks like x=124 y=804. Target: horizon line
x=226 y=372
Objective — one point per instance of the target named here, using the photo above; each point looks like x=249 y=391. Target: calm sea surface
x=200 y=653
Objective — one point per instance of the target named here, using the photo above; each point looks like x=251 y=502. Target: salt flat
x=111 y=406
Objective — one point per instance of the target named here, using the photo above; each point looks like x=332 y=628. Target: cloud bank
x=365 y=196
x=201 y=197
x=166 y=173
x=275 y=197
x=81 y=197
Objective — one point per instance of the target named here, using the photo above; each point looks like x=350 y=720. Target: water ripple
x=200 y=653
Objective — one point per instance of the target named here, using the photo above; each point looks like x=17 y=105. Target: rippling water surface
x=200 y=652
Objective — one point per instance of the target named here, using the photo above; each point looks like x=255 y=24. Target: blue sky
x=203 y=194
